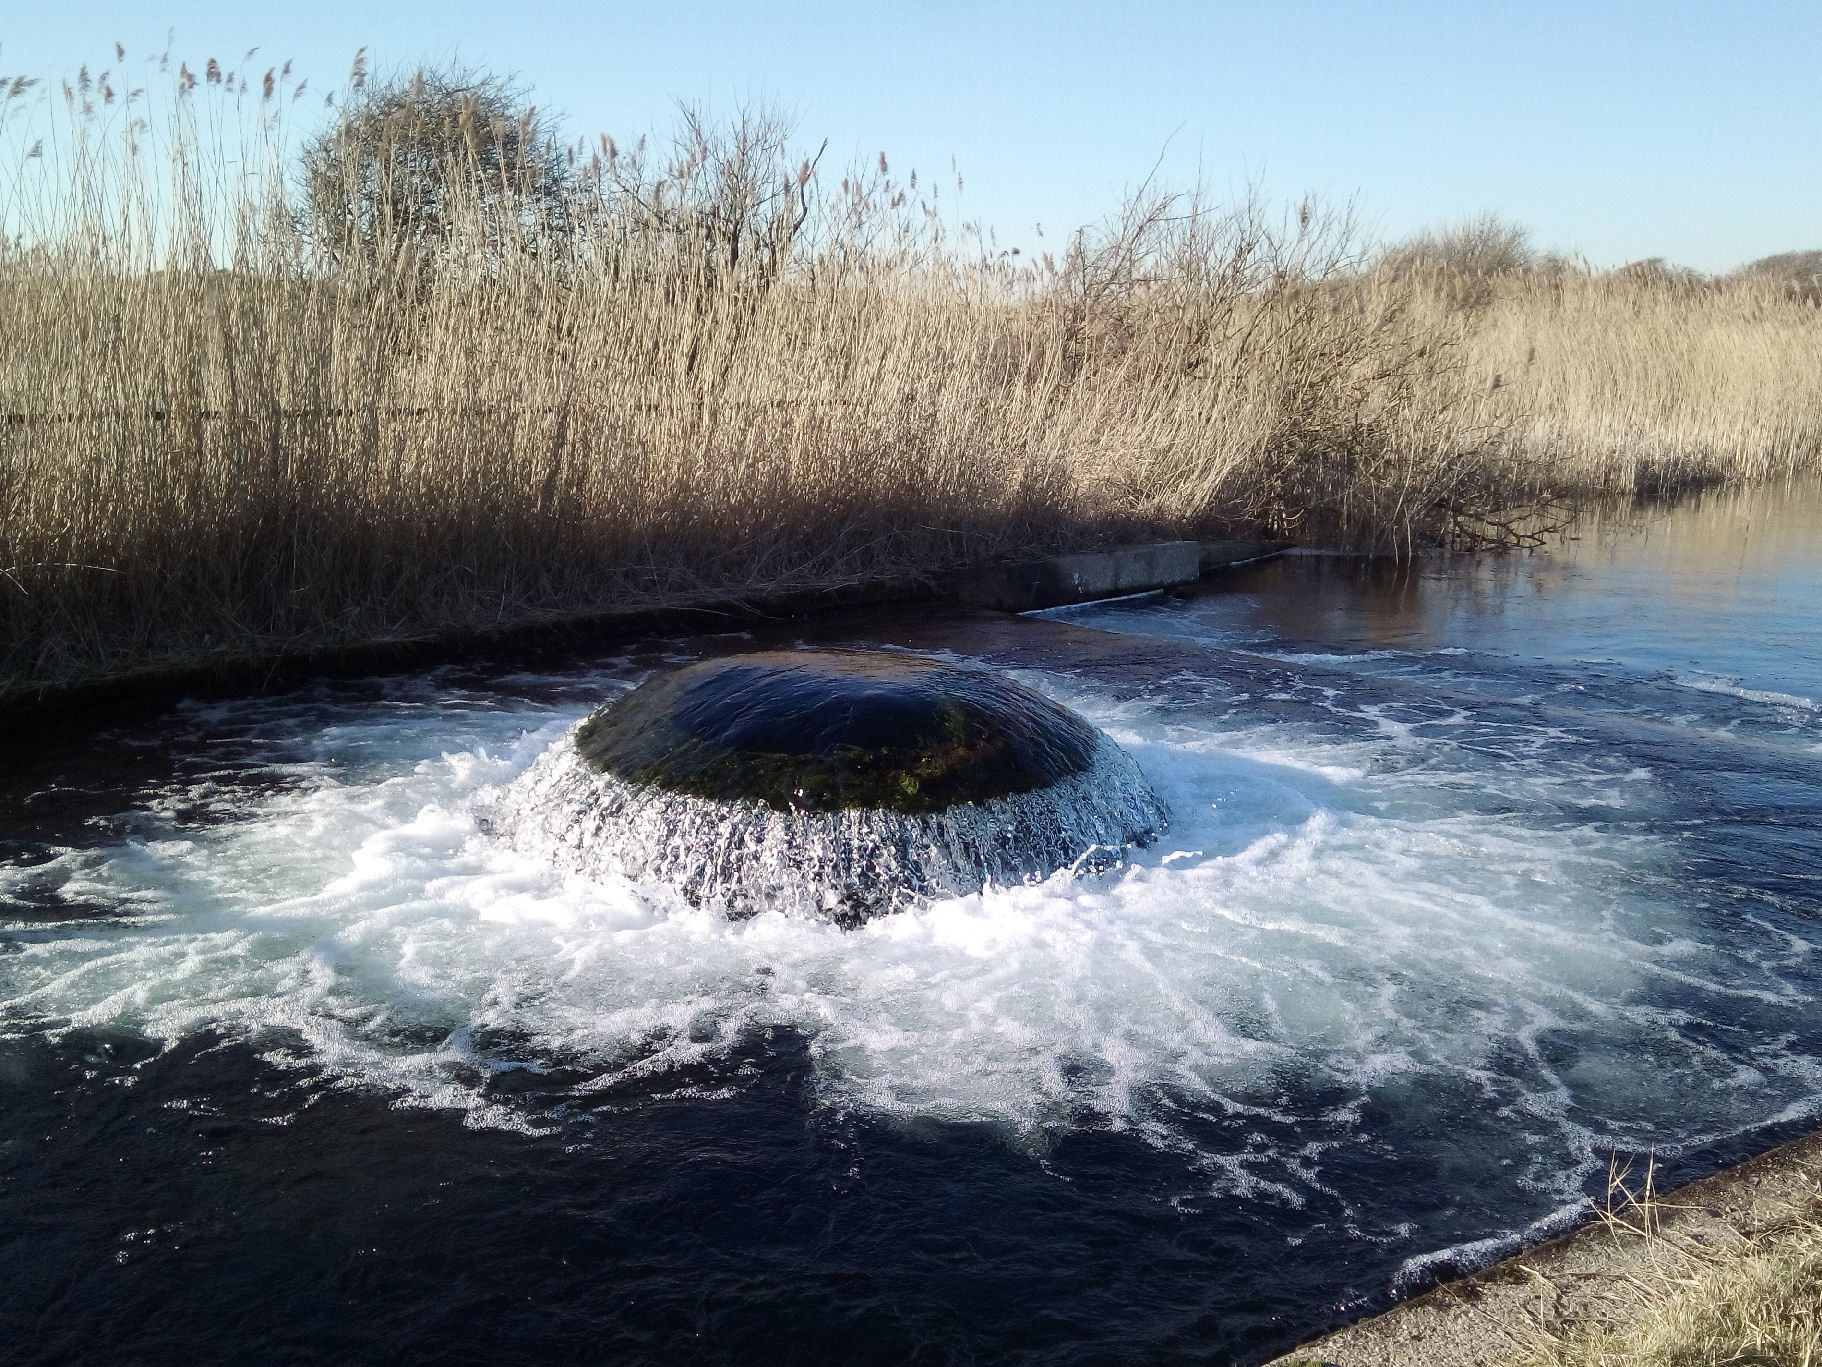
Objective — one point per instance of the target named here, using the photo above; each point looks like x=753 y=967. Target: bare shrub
x=1799 y=274
x=1476 y=248
x=1657 y=272
x=418 y=158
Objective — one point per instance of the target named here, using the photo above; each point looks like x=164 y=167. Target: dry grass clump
x=433 y=371
x=1797 y=274
x=1751 y=1298
x=1648 y=378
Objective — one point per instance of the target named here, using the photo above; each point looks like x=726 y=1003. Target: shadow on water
x=198 y=1203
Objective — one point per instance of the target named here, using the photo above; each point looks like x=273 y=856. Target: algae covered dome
x=841 y=783
x=824 y=731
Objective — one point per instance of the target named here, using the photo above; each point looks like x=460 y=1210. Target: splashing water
x=1329 y=915
x=1435 y=926
x=742 y=857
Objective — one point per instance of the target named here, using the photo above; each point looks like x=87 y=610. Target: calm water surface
x=1482 y=872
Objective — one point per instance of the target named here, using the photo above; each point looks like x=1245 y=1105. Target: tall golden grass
x=1625 y=382
x=236 y=424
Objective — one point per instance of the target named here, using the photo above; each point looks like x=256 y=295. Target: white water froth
x=1711 y=683
x=1320 y=918
x=742 y=857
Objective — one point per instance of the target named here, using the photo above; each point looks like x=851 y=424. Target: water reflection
x=1723 y=591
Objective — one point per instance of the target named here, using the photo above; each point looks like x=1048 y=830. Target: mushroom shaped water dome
x=837 y=783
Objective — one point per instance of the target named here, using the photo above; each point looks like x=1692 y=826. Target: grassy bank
x=1726 y=1271
x=437 y=372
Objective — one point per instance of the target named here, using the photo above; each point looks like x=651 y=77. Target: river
x=1483 y=872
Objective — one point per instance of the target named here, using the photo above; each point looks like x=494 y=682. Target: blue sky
x=1692 y=131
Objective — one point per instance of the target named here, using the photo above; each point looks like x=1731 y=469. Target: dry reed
x=1739 y=1297
x=237 y=424
x=1626 y=383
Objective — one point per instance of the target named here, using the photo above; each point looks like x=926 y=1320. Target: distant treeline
x=1489 y=245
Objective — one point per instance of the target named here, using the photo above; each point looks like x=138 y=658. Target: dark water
x=1482 y=871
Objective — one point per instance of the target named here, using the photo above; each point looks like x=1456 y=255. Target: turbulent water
x=1479 y=873
x=743 y=857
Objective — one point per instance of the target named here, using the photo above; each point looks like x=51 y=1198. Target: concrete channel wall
x=1051 y=582
x=1579 y=1281
x=1059 y=580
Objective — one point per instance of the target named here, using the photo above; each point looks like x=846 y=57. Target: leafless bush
x=432 y=165
x=1655 y=272
x=1476 y=248
x=1798 y=274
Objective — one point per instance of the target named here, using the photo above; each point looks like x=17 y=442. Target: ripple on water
x=1352 y=925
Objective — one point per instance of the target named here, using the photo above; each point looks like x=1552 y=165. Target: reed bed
x=432 y=372
x=1646 y=382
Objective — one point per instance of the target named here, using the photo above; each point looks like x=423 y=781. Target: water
x=1479 y=872
x=904 y=779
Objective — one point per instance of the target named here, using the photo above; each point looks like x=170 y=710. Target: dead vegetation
x=433 y=370
x=1745 y=1294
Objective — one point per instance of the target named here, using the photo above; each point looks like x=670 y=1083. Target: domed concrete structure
x=839 y=783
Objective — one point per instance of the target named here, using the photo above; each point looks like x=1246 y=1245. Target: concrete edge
x=139 y=690
x=1088 y=576
x=1232 y=553
x=1061 y=580
x=1574 y=1281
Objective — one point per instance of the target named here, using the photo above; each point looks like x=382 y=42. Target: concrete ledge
x=1052 y=582
x=1062 y=579
x=138 y=692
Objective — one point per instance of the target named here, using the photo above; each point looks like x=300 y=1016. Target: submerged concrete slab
x=1062 y=579
x=1221 y=555
x=1580 y=1280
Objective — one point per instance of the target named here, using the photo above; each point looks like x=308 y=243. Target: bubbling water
x=837 y=784
x=1371 y=912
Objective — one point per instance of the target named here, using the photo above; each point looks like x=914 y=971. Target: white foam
x=1418 y=1273
x=1324 y=914
x=744 y=856
x=1711 y=683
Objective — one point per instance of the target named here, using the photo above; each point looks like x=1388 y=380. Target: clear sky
x=1619 y=130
